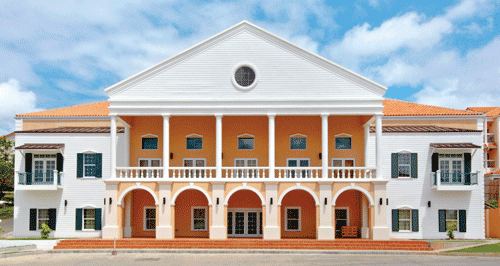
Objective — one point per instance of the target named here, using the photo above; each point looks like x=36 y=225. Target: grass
x=490 y=248
x=456 y=240
x=6 y=212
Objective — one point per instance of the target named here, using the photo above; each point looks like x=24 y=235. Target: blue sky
x=60 y=54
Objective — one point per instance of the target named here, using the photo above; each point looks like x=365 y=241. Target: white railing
x=298 y=172
x=245 y=172
x=192 y=172
x=139 y=172
x=352 y=173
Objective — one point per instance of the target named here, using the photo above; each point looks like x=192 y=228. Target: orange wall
x=303 y=199
x=244 y=199
x=183 y=205
x=494 y=222
x=140 y=199
x=353 y=200
x=352 y=125
x=142 y=125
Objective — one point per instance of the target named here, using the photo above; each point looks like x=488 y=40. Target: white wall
x=415 y=193
x=79 y=192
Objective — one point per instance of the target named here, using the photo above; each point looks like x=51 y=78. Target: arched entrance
x=352 y=213
x=298 y=215
x=140 y=217
x=244 y=214
x=192 y=214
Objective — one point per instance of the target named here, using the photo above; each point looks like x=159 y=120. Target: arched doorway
x=352 y=214
x=298 y=215
x=192 y=214
x=244 y=214
x=140 y=217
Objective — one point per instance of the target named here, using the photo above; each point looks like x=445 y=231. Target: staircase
x=192 y=243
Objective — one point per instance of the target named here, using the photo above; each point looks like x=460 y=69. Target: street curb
x=17 y=248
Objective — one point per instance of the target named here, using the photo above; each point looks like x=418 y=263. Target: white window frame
x=244 y=173
x=297 y=135
x=44 y=161
x=38 y=223
x=343 y=161
x=450 y=164
x=409 y=219
x=343 y=208
x=83 y=164
x=149 y=161
x=205 y=219
x=194 y=135
x=245 y=211
x=342 y=135
x=299 y=219
x=457 y=220
x=144 y=219
x=245 y=136
x=149 y=136
x=409 y=165
x=194 y=161
x=83 y=219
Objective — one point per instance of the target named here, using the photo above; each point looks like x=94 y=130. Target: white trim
x=38 y=218
x=263 y=201
x=298 y=188
x=255 y=71
x=409 y=176
x=205 y=220
x=245 y=136
x=126 y=191
x=88 y=151
x=343 y=135
x=83 y=219
x=149 y=135
x=144 y=220
x=191 y=187
x=364 y=191
x=299 y=219
x=343 y=161
x=190 y=136
x=410 y=219
x=194 y=135
x=299 y=135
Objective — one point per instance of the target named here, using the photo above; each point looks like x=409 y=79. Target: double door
x=451 y=167
x=244 y=223
x=43 y=168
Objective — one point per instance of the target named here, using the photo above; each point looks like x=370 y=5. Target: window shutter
x=98 y=219
x=435 y=162
x=60 y=161
x=79 y=165
x=467 y=158
x=98 y=165
x=442 y=220
x=78 y=220
x=28 y=161
x=462 y=220
x=395 y=220
x=33 y=219
x=414 y=165
x=394 y=165
x=52 y=219
x=414 y=220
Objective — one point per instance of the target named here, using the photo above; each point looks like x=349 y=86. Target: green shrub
x=493 y=203
x=45 y=231
x=450 y=230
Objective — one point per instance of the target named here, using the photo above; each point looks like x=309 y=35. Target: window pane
x=349 y=163
x=155 y=163
x=194 y=143
x=188 y=163
x=343 y=143
x=293 y=224
x=451 y=224
x=89 y=224
x=200 y=163
x=150 y=213
x=151 y=224
x=451 y=214
x=199 y=213
x=90 y=158
x=404 y=225
x=292 y=163
x=337 y=163
x=43 y=213
x=404 y=170
x=304 y=163
x=89 y=170
x=404 y=158
x=149 y=143
x=199 y=224
x=340 y=214
x=292 y=213
x=298 y=143
x=245 y=143
x=404 y=214
x=89 y=213
x=252 y=163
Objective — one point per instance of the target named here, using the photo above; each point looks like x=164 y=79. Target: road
x=123 y=259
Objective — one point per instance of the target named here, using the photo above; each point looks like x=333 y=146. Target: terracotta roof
x=45 y=146
x=402 y=108
x=419 y=128
x=481 y=109
x=493 y=113
x=454 y=146
x=490 y=145
x=89 y=109
x=4 y=136
x=494 y=172
x=73 y=130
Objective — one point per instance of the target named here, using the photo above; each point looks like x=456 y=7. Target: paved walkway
x=7 y=226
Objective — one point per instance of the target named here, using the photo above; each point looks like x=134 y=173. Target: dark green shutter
x=414 y=220
x=33 y=219
x=60 y=161
x=414 y=165
x=435 y=162
x=78 y=220
x=98 y=165
x=52 y=218
x=395 y=220
x=462 y=220
x=98 y=219
x=79 y=165
x=394 y=165
x=467 y=157
x=28 y=160
x=442 y=220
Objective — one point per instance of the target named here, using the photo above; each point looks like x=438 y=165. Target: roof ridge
x=434 y=106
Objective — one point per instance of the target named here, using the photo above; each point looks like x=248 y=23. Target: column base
x=381 y=233
x=111 y=232
x=218 y=232
x=365 y=232
x=164 y=232
x=127 y=231
x=272 y=233
x=326 y=233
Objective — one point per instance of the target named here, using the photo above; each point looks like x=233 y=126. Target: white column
x=113 y=147
x=127 y=146
x=127 y=231
x=378 y=144
x=166 y=145
x=324 y=146
x=111 y=229
x=272 y=229
x=218 y=229
x=365 y=230
x=367 y=140
x=325 y=230
x=218 y=145
x=164 y=229
x=271 y=144
x=380 y=229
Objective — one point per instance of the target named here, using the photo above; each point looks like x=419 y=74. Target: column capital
x=218 y=115
x=271 y=114
x=325 y=114
x=165 y=115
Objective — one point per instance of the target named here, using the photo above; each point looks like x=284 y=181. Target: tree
x=6 y=166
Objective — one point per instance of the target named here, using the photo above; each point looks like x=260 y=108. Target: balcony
x=454 y=181
x=39 y=181
x=247 y=174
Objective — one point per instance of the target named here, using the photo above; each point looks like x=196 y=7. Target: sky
x=62 y=53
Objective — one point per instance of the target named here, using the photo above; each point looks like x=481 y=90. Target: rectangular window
x=43 y=217
x=404 y=220
x=149 y=143
x=88 y=219
x=194 y=143
x=292 y=219
x=149 y=218
x=298 y=143
x=451 y=166
x=89 y=164
x=404 y=164
x=246 y=144
x=452 y=219
x=199 y=218
x=343 y=143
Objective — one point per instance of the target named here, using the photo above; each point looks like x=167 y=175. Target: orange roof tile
x=403 y=108
x=483 y=109
x=89 y=109
x=494 y=172
x=493 y=113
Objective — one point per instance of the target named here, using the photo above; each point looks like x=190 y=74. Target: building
x=247 y=135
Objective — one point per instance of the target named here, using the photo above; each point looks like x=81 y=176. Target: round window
x=244 y=76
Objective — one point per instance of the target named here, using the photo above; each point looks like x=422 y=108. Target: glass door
x=301 y=162
x=244 y=223
x=245 y=162
x=195 y=163
x=341 y=219
x=43 y=168
x=451 y=166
